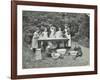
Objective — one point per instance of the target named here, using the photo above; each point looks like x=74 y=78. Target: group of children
x=49 y=46
x=51 y=34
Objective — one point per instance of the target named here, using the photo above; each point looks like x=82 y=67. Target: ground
x=30 y=62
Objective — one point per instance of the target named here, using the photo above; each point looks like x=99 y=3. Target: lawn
x=29 y=61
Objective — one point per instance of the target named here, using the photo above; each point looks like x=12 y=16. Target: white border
x=21 y=71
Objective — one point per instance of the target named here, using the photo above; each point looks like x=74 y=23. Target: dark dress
x=79 y=51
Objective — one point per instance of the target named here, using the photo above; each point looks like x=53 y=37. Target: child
x=79 y=51
x=52 y=34
x=35 y=40
x=68 y=36
x=45 y=33
x=44 y=36
x=50 y=48
x=59 y=33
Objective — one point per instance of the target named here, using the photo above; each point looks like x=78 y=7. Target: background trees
x=77 y=22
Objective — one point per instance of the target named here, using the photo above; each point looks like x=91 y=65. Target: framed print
x=53 y=39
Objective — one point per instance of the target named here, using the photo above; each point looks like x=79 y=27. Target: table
x=52 y=39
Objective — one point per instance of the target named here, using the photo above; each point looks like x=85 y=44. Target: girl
x=52 y=34
x=44 y=36
x=59 y=33
x=45 y=33
x=35 y=40
x=68 y=36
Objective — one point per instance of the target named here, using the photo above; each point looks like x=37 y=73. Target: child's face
x=65 y=26
x=52 y=29
x=59 y=29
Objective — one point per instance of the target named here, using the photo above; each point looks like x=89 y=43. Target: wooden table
x=52 y=39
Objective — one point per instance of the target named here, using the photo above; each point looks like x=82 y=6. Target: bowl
x=61 y=51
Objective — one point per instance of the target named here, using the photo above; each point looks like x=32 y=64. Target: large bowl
x=61 y=51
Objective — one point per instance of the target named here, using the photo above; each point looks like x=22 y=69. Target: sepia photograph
x=55 y=39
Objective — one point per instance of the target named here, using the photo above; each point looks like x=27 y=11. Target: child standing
x=35 y=40
x=68 y=36
x=44 y=36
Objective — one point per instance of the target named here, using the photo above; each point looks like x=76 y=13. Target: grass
x=68 y=61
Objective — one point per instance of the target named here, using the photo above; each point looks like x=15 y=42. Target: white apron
x=69 y=37
x=59 y=34
x=52 y=34
x=35 y=40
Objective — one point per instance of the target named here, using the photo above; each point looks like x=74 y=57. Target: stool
x=38 y=55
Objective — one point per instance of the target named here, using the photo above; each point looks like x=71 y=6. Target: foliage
x=77 y=22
